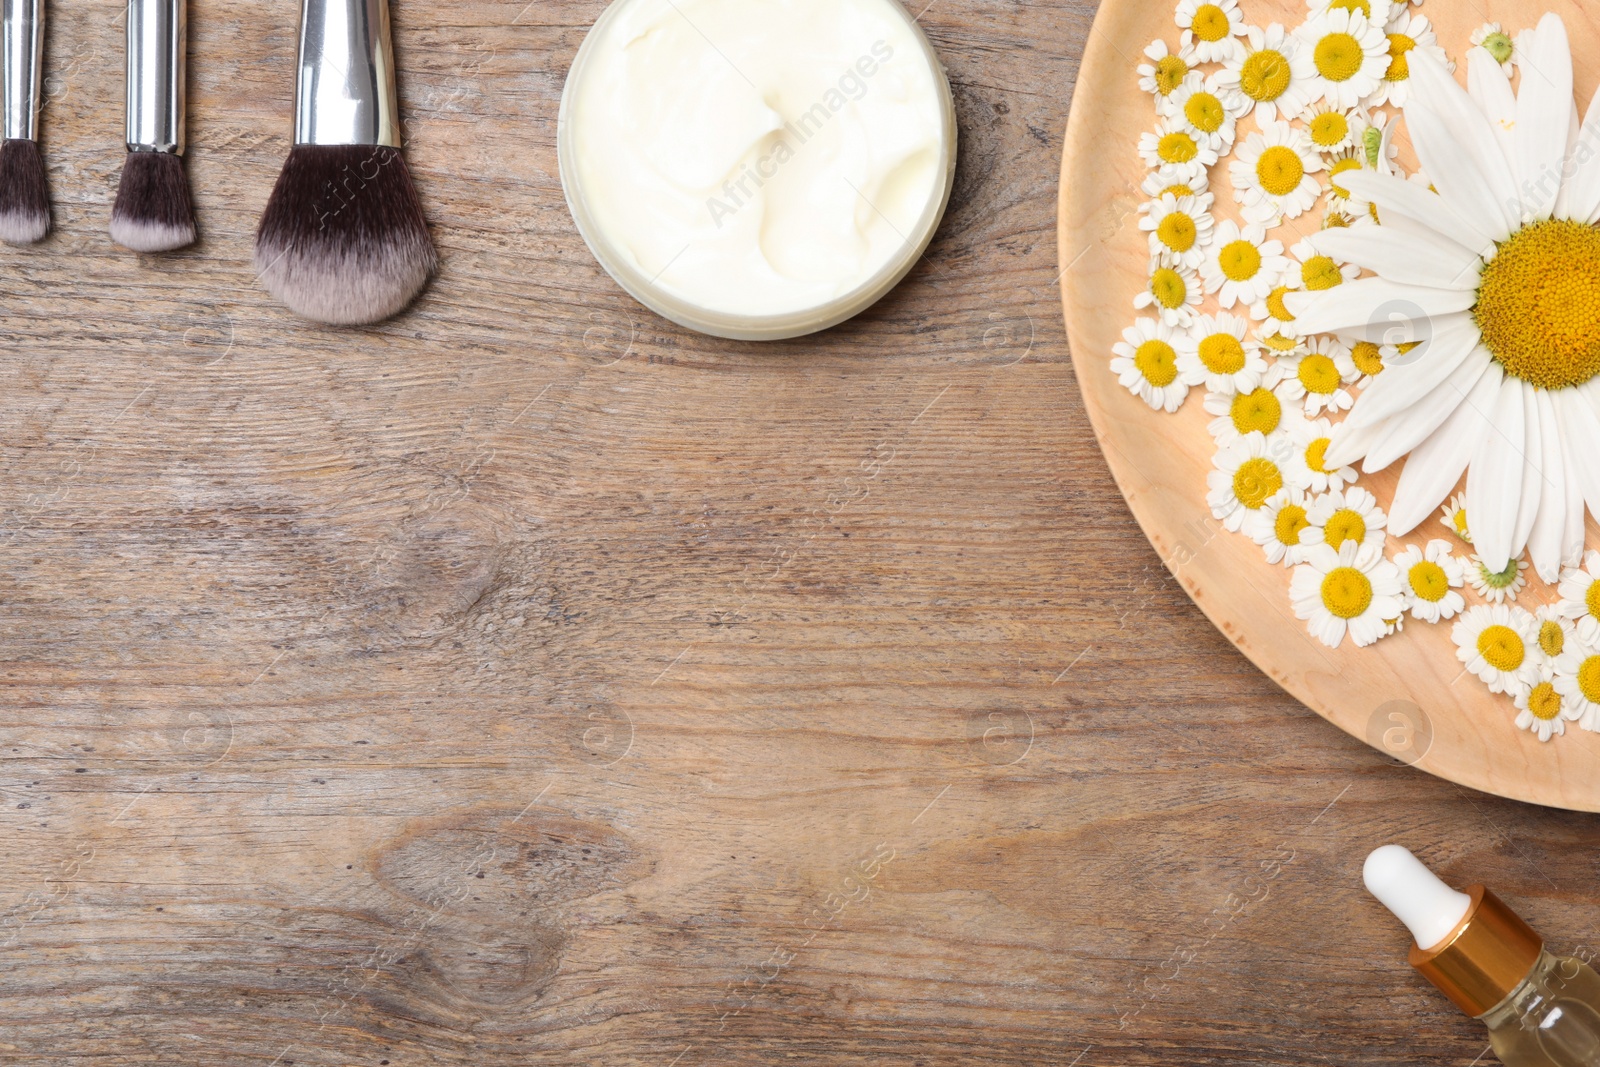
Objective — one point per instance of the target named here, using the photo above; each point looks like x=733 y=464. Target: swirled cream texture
x=758 y=157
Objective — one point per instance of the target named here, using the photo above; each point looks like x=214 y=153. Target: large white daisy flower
x=1354 y=591
x=1145 y=361
x=1499 y=273
x=1264 y=72
x=1499 y=643
x=1211 y=28
x=1216 y=353
x=1272 y=174
x=1242 y=266
x=1276 y=527
x=1580 y=594
x=1248 y=474
x=1408 y=34
x=1578 y=679
x=1344 y=516
x=1432 y=577
x=1166 y=70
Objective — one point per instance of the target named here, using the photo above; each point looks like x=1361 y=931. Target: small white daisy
x=1179 y=179
x=1454 y=517
x=1166 y=69
x=1243 y=413
x=1246 y=475
x=1272 y=174
x=1242 y=266
x=1171 y=143
x=1354 y=591
x=1344 y=516
x=1211 y=28
x=1379 y=11
x=1542 y=709
x=1342 y=57
x=1216 y=353
x=1317 y=376
x=1556 y=631
x=1207 y=110
x=1317 y=272
x=1497 y=586
x=1432 y=577
x=1280 y=343
x=1171 y=292
x=1333 y=129
x=1264 y=72
x=1499 y=643
x=1492 y=38
x=1580 y=598
x=1275 y=317
x=1146 y=363
x=1179 y=228
x=1578 y=679
x=1370 y=359
x=1407 y=33
x=1276 y=527
x=1312 y=437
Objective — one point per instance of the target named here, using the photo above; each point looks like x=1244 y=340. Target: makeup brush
x=343 y=240
x=24 y=197
x=154 y=211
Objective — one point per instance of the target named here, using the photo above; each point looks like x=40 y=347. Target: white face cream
x=757 y=168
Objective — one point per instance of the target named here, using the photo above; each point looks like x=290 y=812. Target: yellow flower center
x=1544 y=702
x=1222 y=354
x=1265 y=75
x=1329 y=129
x=1591 y=599
x=1240 y=261
x=1320 y=272
x=1399 y=66
x=1502 y=648
x=1589 y=679
x=1170 y=72
x=1210 y=23
x=1344 y=526
x=1290 y=521
x=1368 y=357
x=1319 y=375
x=1257 y=412
x=1157 y=362
x=1429 y=582
x=1362 y=7
x=1539 y=304
x=1177 y=147
x=1169 y=288
x=1279 y=343
x=1552 y=638
x=1346 y=593
x=1277 y=307
x=1344 y=166
x=1459 y=521
x=1317 y=455
x=1180 y=190
x=1256 y=481
x=1177 y=232
x=1205 y=112
x=1280 y=170
x=1338 y=57
x=1336 y=220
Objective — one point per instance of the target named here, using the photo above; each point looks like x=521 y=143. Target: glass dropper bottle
x=1542 y=1010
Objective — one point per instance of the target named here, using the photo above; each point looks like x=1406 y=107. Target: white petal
x=1550 y=522
x=1418 y=373
x=1414 y=258
x=1458 y=150
x=1494 y=478
x=1350 y=443
x=1581 y=192
x=1489 y=85
x=1568 y=167
x=1544 y=115
x=1435 y=467
x=1572 y=537
x=1395 y=195
x=1416 y=424
x=1533 y=485
x=1580 y=424
x=1374 y=305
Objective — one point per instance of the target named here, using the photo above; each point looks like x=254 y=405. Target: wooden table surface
x=529 y=681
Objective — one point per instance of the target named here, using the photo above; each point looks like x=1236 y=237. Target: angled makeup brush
x=343 y=240
x=24 y=197
x=154 y=211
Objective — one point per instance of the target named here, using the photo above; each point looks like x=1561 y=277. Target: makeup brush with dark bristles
x=24 y=197
x=154 y=211
x=343 y=240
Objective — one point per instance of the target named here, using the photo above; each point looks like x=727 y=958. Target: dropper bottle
x=1542 y=1010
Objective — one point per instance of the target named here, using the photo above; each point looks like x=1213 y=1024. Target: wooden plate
x=1407 y=695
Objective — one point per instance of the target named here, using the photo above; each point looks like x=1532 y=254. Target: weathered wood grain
x=527 y=681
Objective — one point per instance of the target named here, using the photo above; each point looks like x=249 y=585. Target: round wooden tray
x=1407 y=695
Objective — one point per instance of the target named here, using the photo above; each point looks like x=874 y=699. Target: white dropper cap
x=1428 y=907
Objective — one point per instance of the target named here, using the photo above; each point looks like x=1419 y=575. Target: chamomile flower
x=1580 y=597
x=1578 y=679
x=1247 y=475
x=1556 y=631
x=1277 y=342
x=1166 y=70
x=1276 y=527
x=1217 y=353
x=1173 y=293
x=1264 y=72
x=1207 y=110
x=1318 y=272
x=1333 y=129
x=1499 y=643
x=1497 y=586
x=1378 y=11
x=1241 y=414
x=1370 y=359
x=1344 y=516
x=1272 y=174
x=1211 y=28
x=1179 y=229
x=1179 y=179
x=1492 y=38
x=1312 y=438
x=1353 y=591
x=1317 y=376
x=1343 y=55
x=1242 y=266
x=1407 y=33
x=1454 y=517
x=1276 y=318
x=1542 y=709
x=1145 y=361
x=1171 y=143
x=1432 y=577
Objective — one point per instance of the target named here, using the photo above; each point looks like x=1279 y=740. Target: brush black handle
x=21 y=67
x=346 y=93
x=157 y=38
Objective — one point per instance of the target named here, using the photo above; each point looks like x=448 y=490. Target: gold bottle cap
x=1484 y=958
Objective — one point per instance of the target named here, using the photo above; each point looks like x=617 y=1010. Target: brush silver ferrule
x=21 y=65
x=346 y=93
x=157 y=41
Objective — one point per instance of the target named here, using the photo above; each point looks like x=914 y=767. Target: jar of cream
x=757 y=169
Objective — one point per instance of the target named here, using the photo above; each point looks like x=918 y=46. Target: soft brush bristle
x=343 y=240
x=154 y=211
x=24 y=196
